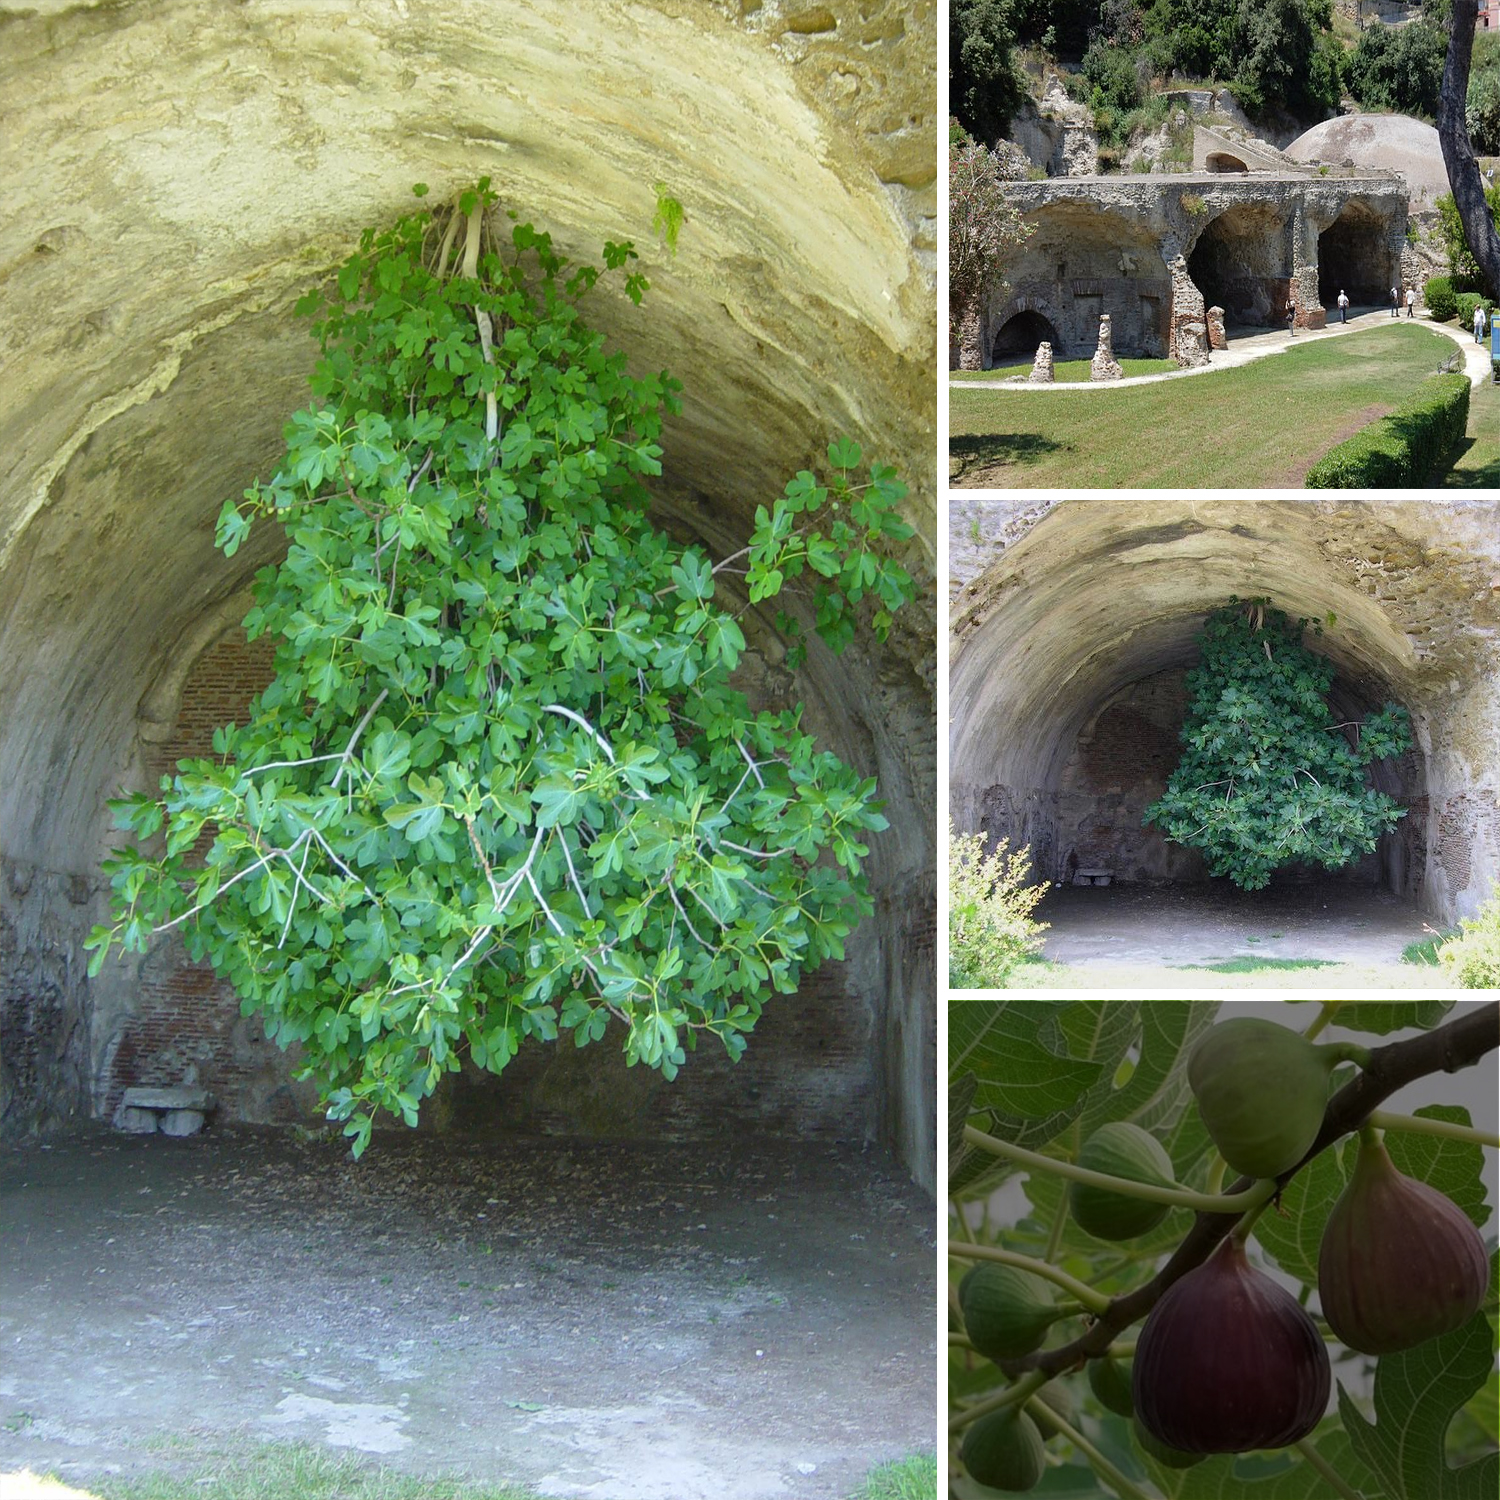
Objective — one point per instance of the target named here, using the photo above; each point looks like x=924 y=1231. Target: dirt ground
x=640 y=1322
x=1128 y=930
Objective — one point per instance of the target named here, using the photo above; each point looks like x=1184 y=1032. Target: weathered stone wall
x=178 y=174
x=1110 y=244
x=1068 y=638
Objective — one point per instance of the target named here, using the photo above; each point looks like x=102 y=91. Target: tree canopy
x=501 y=785
x=1267 y=776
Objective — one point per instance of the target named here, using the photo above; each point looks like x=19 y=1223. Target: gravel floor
x=640 y=1322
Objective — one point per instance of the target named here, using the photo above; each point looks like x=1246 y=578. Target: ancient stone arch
x=1224 y=161
x=1241 y=261
x=1020 y=327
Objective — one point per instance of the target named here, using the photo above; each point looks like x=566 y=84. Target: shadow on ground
x=650 y=1322
x=971 y=458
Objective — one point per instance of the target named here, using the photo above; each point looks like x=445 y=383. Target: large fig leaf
x=1292 y=1229
x=1287 y=1476
x=1381 y=1017
x=1157 y=1088
x=1417 y=1393
x=1454 y=1168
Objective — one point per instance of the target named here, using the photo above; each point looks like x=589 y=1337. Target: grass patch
x=1253 y=963
x=1261 y=425
x=1067 y=371
x=290 y=1471
x=1477 y=462
x=910 y=1478
x=1425 y=950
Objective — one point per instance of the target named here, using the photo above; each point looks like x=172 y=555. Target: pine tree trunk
x=1458 y=151
x=971 y=334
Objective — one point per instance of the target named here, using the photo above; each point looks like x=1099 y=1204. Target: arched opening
x=1353 y=257
x=1067 y=698
x=1084 y=261
x=1019 y=336
x=1224 y=161
x=1242 y=263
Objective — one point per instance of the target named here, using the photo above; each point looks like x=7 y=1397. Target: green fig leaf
x=1286 y=1475
x=960 y=1101
x=1381 y=1017
x=1291 y=1230
x=1157 y=1089
x=1454 y=1168
x=1417 y=1393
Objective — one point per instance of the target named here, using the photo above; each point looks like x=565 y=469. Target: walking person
x=1479 y=322
x=1343 y=306
x=1291 y=318
x=1395 y=302
x=1411 y=302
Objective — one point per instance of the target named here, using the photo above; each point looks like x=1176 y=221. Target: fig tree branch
x=1445 y=1049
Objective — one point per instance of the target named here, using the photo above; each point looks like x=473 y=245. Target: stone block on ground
x=1104 y=365
x=1041 y=366
x=136 y=1121
x=182 y=1122
x=1192 y=345
x=1218 y=338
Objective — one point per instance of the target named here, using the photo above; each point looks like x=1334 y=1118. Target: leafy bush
x=1402 y=450
x=1467 y=302
x=1437 y=293
x=1474 y=956
x=1461 y=262
x=1266 y=779
x=990 y=901
x=985 y=87
x=500 y=785
x=1482 y=104
x=1398 y=68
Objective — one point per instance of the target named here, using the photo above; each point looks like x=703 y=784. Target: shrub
x=1467 y=302
x=1399 y=451
x=1438 y=295
x=990 y=901
x=1474 y=957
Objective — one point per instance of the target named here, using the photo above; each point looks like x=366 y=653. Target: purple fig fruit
x=1400 y=1263
x=1228 y=1362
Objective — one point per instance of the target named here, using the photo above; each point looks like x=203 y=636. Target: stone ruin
x=1156 y=253
x=1041 y=366
x=1105 y=366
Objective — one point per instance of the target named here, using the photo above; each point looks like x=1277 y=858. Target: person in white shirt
x=1479 y=322
x=1411 y=301
x=1343 y=306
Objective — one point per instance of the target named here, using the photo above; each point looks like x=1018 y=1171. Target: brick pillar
x=1187 y=306
x=1304 y=289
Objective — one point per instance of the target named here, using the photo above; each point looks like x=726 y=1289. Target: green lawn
x=1068 y=371
x=1259 y=426
x=1477 y=465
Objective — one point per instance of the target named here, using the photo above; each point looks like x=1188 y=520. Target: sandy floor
x=658 y=1323
x=1122 y=928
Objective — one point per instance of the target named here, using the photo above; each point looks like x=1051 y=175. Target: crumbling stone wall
x=1112 y=245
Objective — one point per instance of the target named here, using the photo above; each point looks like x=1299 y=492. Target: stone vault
x=1073 y=624
x=179 y=173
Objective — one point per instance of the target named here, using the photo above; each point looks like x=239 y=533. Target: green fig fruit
x=1004 y=1450
x=1400 y=1263
x=1163 y=1453
x=1261 y=1090
x=1053 y=1397
x=1109 y=1379
x=1006 y=1312
x=1121 y=1150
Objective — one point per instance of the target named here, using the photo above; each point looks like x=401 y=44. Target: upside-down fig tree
x=1267 y=776
x=500 y=785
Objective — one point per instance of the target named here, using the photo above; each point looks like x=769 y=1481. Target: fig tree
x=1004 y=1450
x=1228 y=1362
x=1054 y=1397
x=1121 y=1150
x=1400 y=1263
x=1006 y=1312
x=1261 y=1090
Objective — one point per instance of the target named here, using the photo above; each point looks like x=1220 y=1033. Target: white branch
x=752 y=764
x=562 y=838
x=359 y=729
x=604 y=745
x=681 y=913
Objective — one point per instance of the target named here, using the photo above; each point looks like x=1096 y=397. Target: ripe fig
x=1004 y=1450
x=1163 y=1453
x=1261 y=1090
x=1121 y=1150
x=1054 y=1397
x=1109 y=1379
x=1006 y=1312
x=1227 y=1362
x=1400 y=1263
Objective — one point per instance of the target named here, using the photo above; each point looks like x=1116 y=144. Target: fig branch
x=1446 y=1049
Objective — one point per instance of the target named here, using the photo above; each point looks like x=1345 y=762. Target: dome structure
x=1396 y=143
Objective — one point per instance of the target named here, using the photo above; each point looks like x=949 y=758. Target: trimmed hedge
x=1438 y=295
x=1399 y=451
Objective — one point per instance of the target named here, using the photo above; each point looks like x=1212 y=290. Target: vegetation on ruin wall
x=1403 y=450
x=1113 y=1331
x=1269 y=776
x=1270 y=420
x=501 y=787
